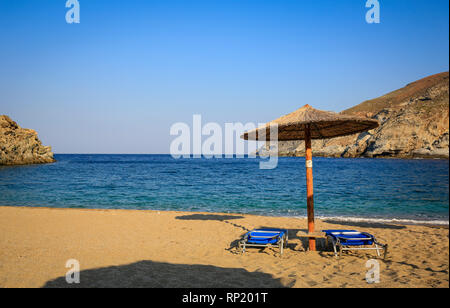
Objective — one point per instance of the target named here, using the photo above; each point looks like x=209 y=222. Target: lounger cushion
x=329 y=232
x=352 y=238
x=264 y=236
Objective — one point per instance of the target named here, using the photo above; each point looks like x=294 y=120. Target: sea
x=353 y=189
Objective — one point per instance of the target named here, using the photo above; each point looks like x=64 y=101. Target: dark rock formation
x=21 y=146
x=414 y=122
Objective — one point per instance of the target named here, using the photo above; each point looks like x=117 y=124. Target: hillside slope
x=414 y=122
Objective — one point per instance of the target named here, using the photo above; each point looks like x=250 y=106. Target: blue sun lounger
x=353 y=240
x=267 y=237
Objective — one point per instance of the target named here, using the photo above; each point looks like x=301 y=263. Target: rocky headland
x=21 y=146
x=414 y=123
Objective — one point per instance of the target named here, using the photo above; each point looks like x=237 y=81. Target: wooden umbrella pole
x=309 y=186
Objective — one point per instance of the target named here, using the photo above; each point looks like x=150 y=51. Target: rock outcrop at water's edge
x=414 y=123
x=21 y=146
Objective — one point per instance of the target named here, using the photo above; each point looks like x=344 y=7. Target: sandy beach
x=130 y=248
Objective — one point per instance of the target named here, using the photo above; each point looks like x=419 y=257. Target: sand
x=130 y=248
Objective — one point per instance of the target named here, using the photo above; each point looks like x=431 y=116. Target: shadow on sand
x=208 y=217
x=150 y=274
x=362 y=224
x=222 y=218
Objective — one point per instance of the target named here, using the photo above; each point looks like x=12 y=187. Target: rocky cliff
x=20 y=146
x=414 y=122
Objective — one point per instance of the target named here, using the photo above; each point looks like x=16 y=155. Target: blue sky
x=117 y=81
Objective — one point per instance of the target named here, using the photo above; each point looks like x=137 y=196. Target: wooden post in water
x=309 y=186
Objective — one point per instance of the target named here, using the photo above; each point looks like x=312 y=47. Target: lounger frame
x=340 y=246
x=281 y=243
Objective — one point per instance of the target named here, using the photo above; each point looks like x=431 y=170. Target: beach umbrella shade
x=306 y=124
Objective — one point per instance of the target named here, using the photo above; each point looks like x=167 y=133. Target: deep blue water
x=361 y=188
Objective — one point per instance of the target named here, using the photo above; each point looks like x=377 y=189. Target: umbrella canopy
x=308 y=123
x=323 y=125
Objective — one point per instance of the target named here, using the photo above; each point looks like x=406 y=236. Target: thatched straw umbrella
x=308 y=123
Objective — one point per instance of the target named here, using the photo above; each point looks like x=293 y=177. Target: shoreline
x=316 y=155
x=405 y=157
x=147 y=248
x=342 y=219
x=246 y=156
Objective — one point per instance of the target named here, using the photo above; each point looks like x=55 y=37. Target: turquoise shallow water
x=376 y=189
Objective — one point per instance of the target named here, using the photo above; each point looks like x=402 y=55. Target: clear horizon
x=118 y=80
